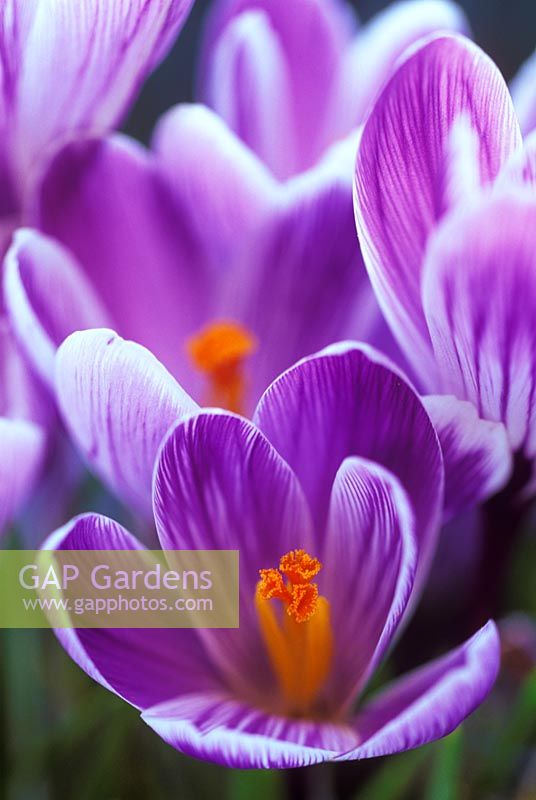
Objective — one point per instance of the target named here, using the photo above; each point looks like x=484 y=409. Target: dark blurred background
x=505 y=29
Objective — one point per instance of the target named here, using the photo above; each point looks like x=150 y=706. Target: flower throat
x=296 y=630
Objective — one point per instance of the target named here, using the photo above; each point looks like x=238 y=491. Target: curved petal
x=369 y=558
x=402 y=171
x=249 y=87
x=524 y=95
x=373 y=55
x=143 y=666
x=430 y=702
x=217 y=728
x=476 y=453
x=479 y=294
x=22 y=445
x=303 y=264
x=312 y=34
x=107 y=202
x=348 y=400
x=47 y=297
x=103 y=52
x=219 y=485
x=217 y=177
x=118 y=402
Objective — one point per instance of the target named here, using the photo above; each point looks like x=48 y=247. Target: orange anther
x=304 y=601
x=299 y=567
x=272 y=586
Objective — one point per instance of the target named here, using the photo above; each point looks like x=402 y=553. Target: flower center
x=219 y=351
x=296 y=629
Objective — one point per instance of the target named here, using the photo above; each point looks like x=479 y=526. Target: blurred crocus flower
x=67 y=69
x=293 y=78
x=332 y=496
x=446 y=215
x=195 y=250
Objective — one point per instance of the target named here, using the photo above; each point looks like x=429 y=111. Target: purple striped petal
x=373 y=55
x=430 y=702
x=118 y=402
x=369 y=558
x=524 y=95
x=22 y=445
x=403 y=170
x=47 y=297
x=213 y=176
x=348 y=400
x=476 y=453
x=215 y=727
x=103 y=51
x=143 y=666
x=249 y=87
x=479 y=293
x=219 y=485
x=312 y=35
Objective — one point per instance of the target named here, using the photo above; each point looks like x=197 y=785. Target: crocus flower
x=332 y=496
x=195 y=250
x=291 y=80
x=446 y=216
x=103 y=51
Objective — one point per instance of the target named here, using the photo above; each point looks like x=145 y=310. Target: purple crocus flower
x=194 y=249
x=103 y=51
x=332 y=496
x=292 y=79
x=446 y=216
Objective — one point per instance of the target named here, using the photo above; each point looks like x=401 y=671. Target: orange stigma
x=298 y=639
x=219 y=351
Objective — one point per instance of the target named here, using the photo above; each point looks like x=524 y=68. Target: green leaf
x=396 y=777
x=514 y=736
x=444 y=781
x=260 y=784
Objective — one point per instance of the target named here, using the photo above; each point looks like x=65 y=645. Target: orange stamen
x=219 y=350
x=300 y=643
